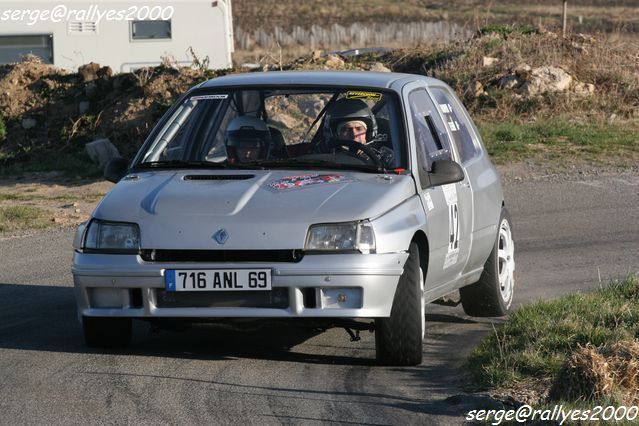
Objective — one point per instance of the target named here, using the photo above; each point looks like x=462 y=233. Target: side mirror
x=116 y=169
x=444 y=172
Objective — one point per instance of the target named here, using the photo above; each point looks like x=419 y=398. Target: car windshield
x=297 y=128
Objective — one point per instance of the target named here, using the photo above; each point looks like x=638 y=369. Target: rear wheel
x=398 y=338
x=106 y=332
x=492 y=295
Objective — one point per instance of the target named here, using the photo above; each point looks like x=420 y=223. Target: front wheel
x=492 y=295
x=398 y=338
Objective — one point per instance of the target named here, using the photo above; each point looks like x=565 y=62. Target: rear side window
x=431 y=140
x=457 y=123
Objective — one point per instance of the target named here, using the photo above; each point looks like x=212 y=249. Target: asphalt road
x=570 y=235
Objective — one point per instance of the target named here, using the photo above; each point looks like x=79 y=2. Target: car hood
x=258 y=209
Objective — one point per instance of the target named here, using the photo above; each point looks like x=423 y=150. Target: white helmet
x=247 y=132
x=344 y=110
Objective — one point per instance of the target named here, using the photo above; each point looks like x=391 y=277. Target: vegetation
x=597 y=123
x=601 y=126
x=16 y=218
x=267 y=14
x=3 y=129
x=72 y=164
x=559 y=139
x=61 y=198
x=586 y=59
x=539 y=339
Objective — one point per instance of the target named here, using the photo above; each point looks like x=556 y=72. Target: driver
x=352 y=119
x=353 y=130
x=247 y=139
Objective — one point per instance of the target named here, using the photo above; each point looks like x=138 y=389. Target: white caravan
x=124 y=35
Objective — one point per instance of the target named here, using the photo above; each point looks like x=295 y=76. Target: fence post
x=564 y=18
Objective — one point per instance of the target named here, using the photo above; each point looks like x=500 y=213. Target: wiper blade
x=287 y=163
x=252 y=165
x=316 y=164
x=359 y=167
x=178 y=164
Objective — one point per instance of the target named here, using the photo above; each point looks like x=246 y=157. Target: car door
x=448 y=208
x=481 y=184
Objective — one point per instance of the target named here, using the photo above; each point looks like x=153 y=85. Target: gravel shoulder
x=64 y=202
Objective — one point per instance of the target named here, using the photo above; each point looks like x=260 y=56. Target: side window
x=431 y=139
x=12 y=47
x=149 y=30
x=457 y=123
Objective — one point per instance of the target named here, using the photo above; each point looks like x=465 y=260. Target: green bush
x=505 y=30
x=3 y=129
x=502 y=30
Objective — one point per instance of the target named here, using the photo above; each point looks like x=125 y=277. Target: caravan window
x=150 y=30
x=12 y=48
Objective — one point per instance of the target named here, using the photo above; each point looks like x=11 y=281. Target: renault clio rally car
x=347 y=199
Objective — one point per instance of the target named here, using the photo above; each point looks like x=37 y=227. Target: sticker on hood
x=304 y=181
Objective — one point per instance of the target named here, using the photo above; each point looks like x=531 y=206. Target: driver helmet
x=345 y=110
x=247 y=139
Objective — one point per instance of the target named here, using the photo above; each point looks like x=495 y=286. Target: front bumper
x=127 y=286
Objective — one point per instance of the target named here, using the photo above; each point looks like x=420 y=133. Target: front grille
x=270 y=256
x=218 y=177
x=274 y=299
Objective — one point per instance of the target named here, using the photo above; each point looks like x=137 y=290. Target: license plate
x=218 y=279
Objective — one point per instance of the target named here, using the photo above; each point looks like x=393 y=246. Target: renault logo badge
x=221 y=236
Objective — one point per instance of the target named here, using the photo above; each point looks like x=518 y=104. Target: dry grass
x=596 y=14
x=18 y=218
x=261 y=24
x=46 y=200
x=582 y=346
x=268 y=14
x=612 y=68
x=604 y=373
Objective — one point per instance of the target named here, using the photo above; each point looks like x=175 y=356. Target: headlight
x=349 y=236
x=112 y=237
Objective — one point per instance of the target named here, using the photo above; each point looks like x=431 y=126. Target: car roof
x=381 y=80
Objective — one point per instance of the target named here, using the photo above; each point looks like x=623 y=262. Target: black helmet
x=246 y=131
x=349 y=110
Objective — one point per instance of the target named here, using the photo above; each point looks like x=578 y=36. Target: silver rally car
x=347 y=199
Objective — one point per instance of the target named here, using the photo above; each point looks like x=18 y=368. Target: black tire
x=398 y=338
x=487 y=297
x=106 y=332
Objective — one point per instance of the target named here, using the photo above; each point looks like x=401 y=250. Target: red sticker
x=303 y=181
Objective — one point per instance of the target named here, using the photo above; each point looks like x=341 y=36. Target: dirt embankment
x=48 y=110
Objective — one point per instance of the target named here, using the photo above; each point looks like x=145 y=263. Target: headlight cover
x=111 y=237
x=341 y=237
